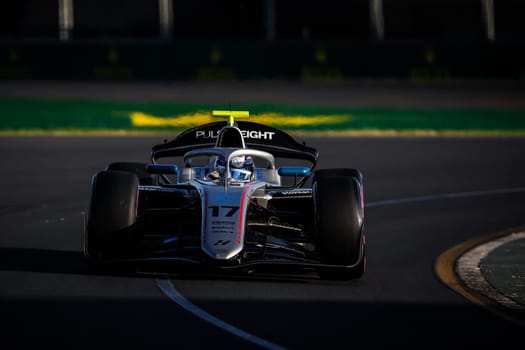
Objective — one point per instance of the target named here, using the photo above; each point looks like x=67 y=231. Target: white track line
x=444 y=196
x=167 y=287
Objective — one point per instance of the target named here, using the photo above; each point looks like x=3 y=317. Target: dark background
x=252 y=39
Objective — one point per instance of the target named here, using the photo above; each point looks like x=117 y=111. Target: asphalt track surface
x=49 y=299
x=355 y=94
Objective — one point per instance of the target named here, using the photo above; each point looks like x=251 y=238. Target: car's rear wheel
x=339 y=221
x=112 y=215
x=138 y=169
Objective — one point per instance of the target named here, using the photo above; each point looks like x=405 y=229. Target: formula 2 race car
x=228 y=206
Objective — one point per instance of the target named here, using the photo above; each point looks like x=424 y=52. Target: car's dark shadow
x=42 y=260
x=74 y=262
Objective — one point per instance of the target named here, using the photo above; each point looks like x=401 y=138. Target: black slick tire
x=339 y=221
x=111 y=216
x=138 y=169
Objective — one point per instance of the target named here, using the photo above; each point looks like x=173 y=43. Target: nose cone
x=225 y=252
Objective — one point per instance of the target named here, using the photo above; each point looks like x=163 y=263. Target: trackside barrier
x=158 y=60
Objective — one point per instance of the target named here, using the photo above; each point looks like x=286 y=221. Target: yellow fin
x=232 y=115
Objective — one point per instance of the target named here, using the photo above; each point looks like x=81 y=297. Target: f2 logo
x=216 y=210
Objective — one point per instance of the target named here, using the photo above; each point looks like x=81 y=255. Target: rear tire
x=112 y=215
x=138 y=169
x=339 y=220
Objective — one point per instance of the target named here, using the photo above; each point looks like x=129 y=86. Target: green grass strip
x=52 y=116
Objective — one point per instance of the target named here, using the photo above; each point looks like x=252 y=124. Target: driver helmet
x=241 y=168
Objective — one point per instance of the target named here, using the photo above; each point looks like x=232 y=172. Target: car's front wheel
x=112 y=214
x=339 y=221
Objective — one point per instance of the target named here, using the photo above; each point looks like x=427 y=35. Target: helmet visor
x=241 y=174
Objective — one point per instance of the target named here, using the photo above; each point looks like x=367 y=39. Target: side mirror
x=294 y=171
x=165 y=169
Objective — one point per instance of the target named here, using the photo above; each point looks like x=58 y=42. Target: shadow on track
x=42 y=260
x=71 y=262
x=144 y=323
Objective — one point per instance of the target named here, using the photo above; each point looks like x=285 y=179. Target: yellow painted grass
x=141 y=119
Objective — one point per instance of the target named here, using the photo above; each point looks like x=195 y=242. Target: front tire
x=339 y=221
x=112 y=215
